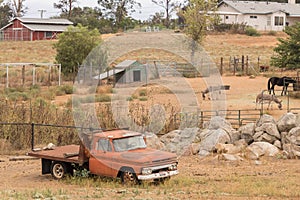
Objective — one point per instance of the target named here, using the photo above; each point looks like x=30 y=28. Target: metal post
x=239 y=117
x=33 y=75
x=59 y=74
x=32 y=136
x=7 y=81
x=288 y=102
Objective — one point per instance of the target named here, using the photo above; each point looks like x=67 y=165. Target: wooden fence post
x=243 y=64
x=221 y=67
x=247 y=65
x=23 y=75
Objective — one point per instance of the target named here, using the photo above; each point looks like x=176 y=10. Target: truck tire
x=128 y=177
x=58 y=169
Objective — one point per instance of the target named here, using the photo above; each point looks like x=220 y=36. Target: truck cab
x=124 y=154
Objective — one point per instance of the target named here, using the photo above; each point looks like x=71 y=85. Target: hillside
x=220 y=45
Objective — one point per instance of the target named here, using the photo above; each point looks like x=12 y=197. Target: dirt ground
x=208 y=178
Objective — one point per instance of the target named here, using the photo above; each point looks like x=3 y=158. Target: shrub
x=103 y=98
x=18 y=96
x=67 y=89
x=143 y=92
x=143 y=98
x=273 y=33
x=250 y=31
x=129 y=99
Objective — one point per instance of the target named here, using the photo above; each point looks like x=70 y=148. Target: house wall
x=292 y=20
x=262 y=22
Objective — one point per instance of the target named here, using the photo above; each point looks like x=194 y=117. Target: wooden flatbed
x=68 y=153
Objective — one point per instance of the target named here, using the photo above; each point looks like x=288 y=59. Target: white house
x=262 y=15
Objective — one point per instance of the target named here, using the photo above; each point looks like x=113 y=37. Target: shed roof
x=126 y=63
x=263 y=7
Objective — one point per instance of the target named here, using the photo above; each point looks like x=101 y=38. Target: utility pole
x=42 y=12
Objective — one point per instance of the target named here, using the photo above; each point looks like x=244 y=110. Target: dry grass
x=27 y=52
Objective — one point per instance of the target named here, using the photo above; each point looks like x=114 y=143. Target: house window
x=253 y=17
x=48 y=34
x=278 y=21
x=269 y=21
x=226 y=17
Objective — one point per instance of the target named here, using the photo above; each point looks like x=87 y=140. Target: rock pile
x=266 y=137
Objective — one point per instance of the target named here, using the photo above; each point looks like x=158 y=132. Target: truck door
x=100 y=162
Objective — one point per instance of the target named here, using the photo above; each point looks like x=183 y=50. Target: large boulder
x=207 y=145
x=258 y=149
x=247 y=132
x=179 y=141
x=265 y=118
x=269 y=128
x=153 y=141
x=219 y=122
x=286 y=122
x=291 y=143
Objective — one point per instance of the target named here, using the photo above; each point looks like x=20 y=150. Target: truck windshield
x=129 y=143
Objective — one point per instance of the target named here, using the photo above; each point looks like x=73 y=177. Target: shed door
x=137 y=75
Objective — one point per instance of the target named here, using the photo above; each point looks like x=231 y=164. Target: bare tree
x=18 y=7
x=118 y=11
x=169 y=6
x=65 y=6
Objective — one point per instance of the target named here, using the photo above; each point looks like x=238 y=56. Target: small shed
x=130 y=71
x=30 y=29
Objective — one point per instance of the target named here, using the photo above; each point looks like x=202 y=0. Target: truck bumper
x=162 y=174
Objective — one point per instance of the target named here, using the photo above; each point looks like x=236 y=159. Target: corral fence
x=236 y=118
x=28 y=74
x=243 y=65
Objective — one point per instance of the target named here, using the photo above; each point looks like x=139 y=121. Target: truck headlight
x=146 y=171
x=172 y=167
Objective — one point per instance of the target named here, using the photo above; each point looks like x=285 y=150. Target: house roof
x=262 y=7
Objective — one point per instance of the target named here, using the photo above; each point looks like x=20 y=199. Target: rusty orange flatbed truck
x=115 y=153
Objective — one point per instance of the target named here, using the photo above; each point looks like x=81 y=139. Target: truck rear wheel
x=58 y=169
x=128 y=177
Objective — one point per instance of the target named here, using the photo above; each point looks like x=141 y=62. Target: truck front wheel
x=58 y=170
x=128 y=177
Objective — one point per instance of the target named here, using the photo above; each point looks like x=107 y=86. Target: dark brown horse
x=284 y=82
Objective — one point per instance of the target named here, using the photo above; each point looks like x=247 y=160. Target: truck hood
x=149 y=156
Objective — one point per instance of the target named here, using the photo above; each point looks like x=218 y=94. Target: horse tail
x=269 y=85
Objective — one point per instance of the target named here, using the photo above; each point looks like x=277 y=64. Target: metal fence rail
x=237 y=118
x=34 y=126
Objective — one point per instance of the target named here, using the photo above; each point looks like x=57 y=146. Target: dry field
x=208 y=178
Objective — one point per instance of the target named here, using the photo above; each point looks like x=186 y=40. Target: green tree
x=118 y=11
x=73 y=47
x=6 y=14
x=199 y=16
x=288 y=50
